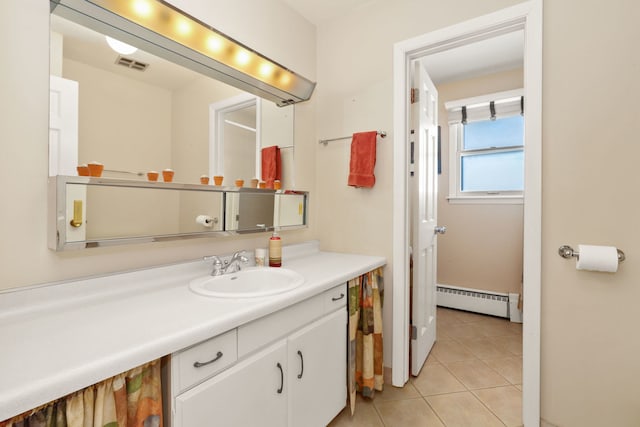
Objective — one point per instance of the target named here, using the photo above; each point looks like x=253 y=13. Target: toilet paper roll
x=597 y=258
x=204 y=220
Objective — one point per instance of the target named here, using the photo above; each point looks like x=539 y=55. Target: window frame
x=456 y=152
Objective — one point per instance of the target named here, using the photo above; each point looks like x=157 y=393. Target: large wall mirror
x=137 y=112
x=134 y=112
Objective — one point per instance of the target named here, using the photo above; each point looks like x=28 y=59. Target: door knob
x=440 y=229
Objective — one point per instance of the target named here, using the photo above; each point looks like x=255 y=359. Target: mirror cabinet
x=91 y=212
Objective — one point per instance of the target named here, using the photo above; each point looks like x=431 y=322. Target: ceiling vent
x=131 y=63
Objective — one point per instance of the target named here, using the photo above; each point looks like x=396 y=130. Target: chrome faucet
x=234 y=263
x=231 y=266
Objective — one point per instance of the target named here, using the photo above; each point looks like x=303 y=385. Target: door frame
x=528 y=16
x=216 y=130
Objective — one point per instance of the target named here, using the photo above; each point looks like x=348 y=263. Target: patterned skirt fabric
x=131 y=399
x=365 y=335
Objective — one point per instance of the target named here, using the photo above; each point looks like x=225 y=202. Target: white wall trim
x=485 y=200
x=527 y=15
x=532 y=255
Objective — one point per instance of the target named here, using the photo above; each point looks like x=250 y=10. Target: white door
x=63 y=147
x=63 y=126
x=424 y=216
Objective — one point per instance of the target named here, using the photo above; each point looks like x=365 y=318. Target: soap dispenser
x=275 y=250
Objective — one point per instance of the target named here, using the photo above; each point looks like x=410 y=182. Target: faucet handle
x=214 y=258
x=217 y=264
x=240 y=256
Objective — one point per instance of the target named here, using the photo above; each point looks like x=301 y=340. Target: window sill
x=486 y=200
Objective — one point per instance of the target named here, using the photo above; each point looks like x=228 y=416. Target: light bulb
x=120 y=47
x=184 y=28
x=266 y=69
x=285 y=78
x=242 y=57
x=142 y=8
x=214 y=43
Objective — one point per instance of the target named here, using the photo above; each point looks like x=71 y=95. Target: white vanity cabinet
x=251 y=393
x=290 y=370
x=317 y=371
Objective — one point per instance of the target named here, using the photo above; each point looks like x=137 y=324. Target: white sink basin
x=248 y=283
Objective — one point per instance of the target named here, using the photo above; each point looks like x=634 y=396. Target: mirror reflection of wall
x=239 y=138
x=134 y=120
x=240 y=128
x=249 y=211
x=289 y=210
x=114 y=212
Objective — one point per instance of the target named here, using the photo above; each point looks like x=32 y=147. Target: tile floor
x=472 y=378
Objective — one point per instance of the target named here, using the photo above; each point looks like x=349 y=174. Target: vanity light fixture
x=120 y=47
x=160 y=28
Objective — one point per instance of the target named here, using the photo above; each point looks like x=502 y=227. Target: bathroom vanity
x=283 y=356
x=287 y=368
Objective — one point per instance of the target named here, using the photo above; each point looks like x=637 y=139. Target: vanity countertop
x=60 y=338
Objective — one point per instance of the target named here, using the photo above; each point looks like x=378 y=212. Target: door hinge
x=414 y=332
x=412 y=153
x=415 y=95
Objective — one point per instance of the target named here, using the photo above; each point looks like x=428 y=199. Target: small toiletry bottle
x=260 y=255
x=275 y=251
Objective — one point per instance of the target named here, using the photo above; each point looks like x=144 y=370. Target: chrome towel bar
x=381 y=133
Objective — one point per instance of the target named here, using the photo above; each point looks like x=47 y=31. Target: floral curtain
x=365 y=335
x=131 y=399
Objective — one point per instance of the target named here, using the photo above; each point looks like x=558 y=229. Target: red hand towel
x=363 y=159
x=271 y=164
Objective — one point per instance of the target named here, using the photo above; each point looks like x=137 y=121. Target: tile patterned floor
x=472 y=378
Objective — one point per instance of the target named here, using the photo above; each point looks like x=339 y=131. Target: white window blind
x=506 y=104
x=486 y=148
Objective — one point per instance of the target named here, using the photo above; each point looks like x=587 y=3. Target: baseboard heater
x=474 y=300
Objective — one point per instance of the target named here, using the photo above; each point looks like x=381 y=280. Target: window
x=486 y=138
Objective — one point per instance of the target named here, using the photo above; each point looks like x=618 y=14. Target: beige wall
x=26 y=260
x=591 y=117
x=355 y=93
x=483 y=245
x=590 y=122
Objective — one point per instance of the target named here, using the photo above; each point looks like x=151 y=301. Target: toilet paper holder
x=567 y=252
